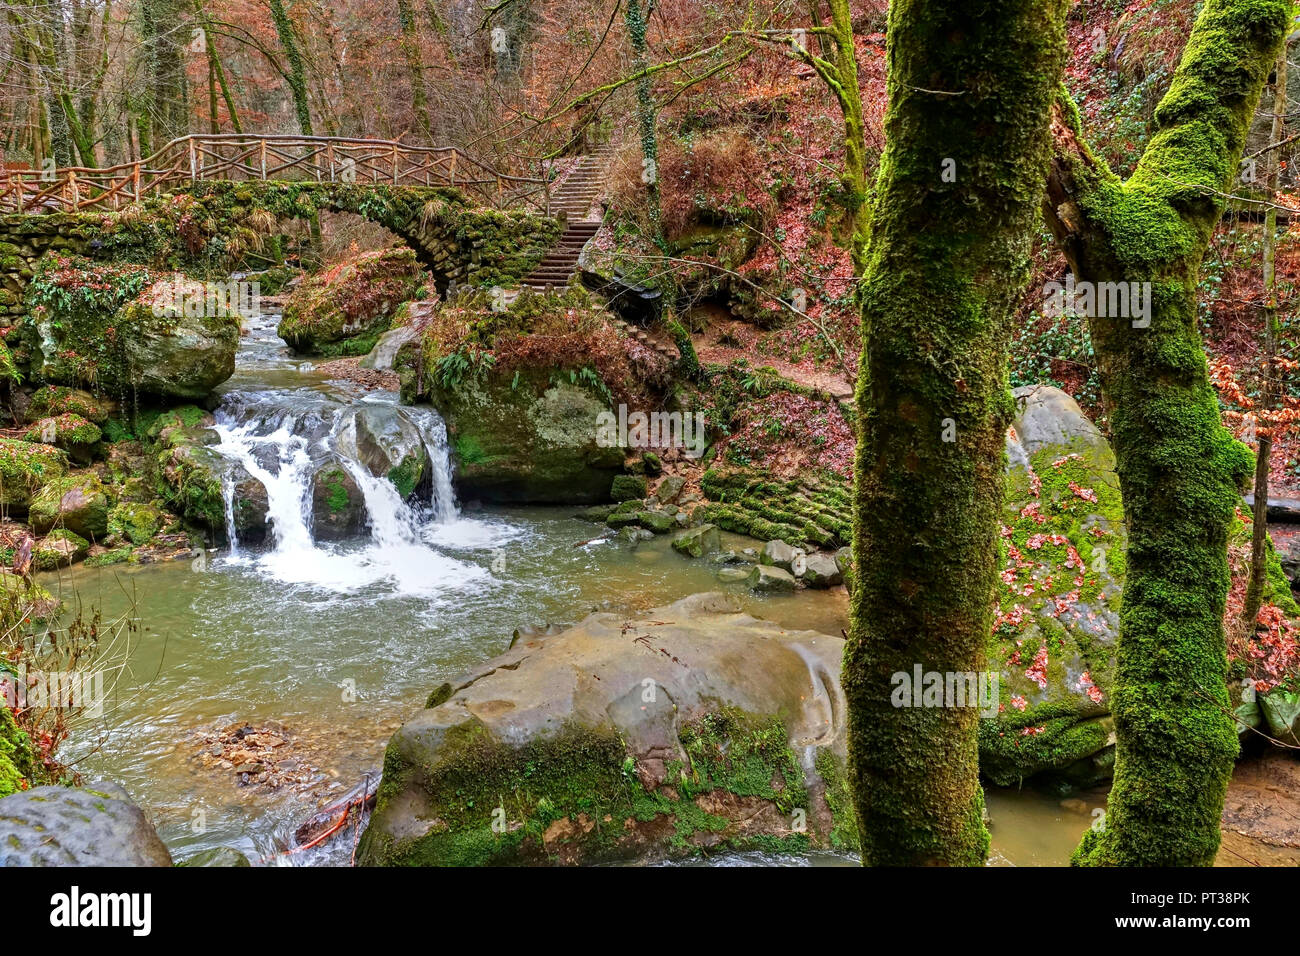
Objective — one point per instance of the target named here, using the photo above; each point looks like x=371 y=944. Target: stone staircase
x=645 y=338
x=573 y=200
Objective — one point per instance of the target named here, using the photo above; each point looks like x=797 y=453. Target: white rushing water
x=282 y=439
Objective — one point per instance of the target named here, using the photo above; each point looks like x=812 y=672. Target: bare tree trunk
x=1264 y=429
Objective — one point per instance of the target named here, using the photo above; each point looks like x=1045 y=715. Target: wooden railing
x=248 y=157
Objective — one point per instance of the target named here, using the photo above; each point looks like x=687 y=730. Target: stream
x=336 y=643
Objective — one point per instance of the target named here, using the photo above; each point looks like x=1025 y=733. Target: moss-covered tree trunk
x=297 y=72
x=971 y=88
x=637 y=21
x=840 y=74
x=1180 y=470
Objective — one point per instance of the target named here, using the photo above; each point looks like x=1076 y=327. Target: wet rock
x=633 y=535
x=657 y=521
x=601 y=712
x=778 y=554
x=597 y=513
x=96 y=825
x=381 y=357
x=58 y=549
x=338 y=507
x=249 y=503
x=669 y=489
x=733 y=575
x=698 y=542
x=218 y=856
x=623 y=519
x=821 y=571
x=76 y=502
x=389 y=445
x=767 y=579
x=628 y=488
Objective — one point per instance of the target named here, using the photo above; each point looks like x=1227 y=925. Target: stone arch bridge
x=466 y=221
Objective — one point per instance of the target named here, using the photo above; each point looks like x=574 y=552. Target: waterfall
x=434 y=431
x=282 y=439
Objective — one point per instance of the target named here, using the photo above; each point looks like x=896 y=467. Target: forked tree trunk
x=1180 y=470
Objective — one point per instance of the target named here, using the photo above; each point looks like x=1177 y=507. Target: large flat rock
x=96 y=825
x=688 y=726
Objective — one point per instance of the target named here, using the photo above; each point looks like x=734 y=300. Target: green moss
x=468 y=449
x=585 y=777
x=137 y=522
x=406 y=475
x=59 y=400
x=45 y=557
x=25 y=467
x=336 y=491
x=107 y=558
x=182 y=416
x=17 y=762
x=628 y=488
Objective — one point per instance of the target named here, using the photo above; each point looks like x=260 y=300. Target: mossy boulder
x=338 y=506
x=766 y=579
x=1063 y=557
x=137 y=522
x=249 y=504
x=129 y=331
x=25 y=467
x=732 y=737
x=697 y=542
x=58 y=549
x=821 y=570
x=78 y=502
x=78 y=436
x=530 y=436
x=659 y=522
x=190 y=471
x=344 y=310
x=57 y=400
x=389 y=443
x=627 y=488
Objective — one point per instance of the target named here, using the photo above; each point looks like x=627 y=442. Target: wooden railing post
x=262 y=151
x=329 y=153
x=135 y=180
x=394 y=164
x=194 y=168
x=73 y=191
